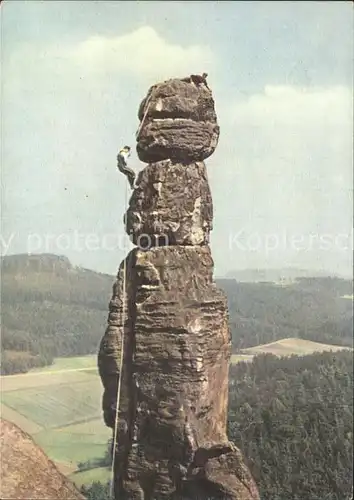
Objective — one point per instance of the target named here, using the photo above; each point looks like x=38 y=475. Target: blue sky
x=74 y=74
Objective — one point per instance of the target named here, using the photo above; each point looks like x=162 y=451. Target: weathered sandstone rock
x=26 y=472
x=172 y=439
x=171 y=205
x=174 y=395
x=180 y=123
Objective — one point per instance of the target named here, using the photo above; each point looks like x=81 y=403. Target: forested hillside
x=51 y=308
x=293 y=420
x=309 y=308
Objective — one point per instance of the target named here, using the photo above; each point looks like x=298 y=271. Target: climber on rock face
x=122 y=158
x=197 y=79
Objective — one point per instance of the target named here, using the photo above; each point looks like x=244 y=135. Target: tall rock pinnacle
x=172 y=439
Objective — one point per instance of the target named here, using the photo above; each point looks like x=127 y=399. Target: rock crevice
x=172 y=430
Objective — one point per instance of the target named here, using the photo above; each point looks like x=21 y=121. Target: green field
x=76 y=363
x=64 y=447
x=60 y=407
x=54 y=406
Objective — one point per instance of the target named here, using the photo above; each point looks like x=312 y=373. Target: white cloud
x=286 y=156
x=67 y=108
x=143 y=53
x=66 y=105
x=302 y=133
x=296 y=107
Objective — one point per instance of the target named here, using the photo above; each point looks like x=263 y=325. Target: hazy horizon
x=74 y=74
x=226 y=275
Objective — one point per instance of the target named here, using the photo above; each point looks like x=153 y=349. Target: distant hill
x=275 y=275
x=26 y=472
x=289 y=347
x=24 y=263
x=51 y=308
x=285 y=348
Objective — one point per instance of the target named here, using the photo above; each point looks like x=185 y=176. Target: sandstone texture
x=172 y=204
x=26 y=472
x=172 y=428
x=180 y=123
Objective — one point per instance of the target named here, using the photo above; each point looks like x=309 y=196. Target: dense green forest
x=50 y=308
x=293 y=420
x=96 y=491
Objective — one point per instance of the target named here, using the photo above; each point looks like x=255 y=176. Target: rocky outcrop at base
x=26 y=472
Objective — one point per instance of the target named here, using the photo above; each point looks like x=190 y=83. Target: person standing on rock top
x=122 y=158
